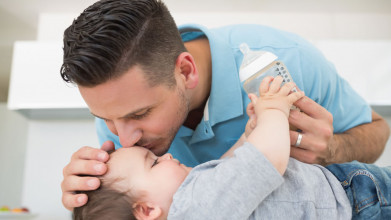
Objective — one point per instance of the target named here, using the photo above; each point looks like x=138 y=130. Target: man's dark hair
x=111 y=36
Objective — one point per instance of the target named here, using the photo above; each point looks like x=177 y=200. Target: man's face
x=139 y=114
x=146 y=176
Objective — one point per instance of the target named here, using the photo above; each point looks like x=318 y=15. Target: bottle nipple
x=244 y=48
x=253 y=61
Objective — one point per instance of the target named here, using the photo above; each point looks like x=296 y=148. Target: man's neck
x=200 y=51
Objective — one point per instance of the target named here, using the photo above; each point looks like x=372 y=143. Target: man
x=151 y=86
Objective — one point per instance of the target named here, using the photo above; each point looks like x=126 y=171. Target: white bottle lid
x=258 y=64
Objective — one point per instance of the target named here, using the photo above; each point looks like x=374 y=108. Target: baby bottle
x=256 y=65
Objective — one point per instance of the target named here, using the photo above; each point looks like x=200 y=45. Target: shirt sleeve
x=226 y=189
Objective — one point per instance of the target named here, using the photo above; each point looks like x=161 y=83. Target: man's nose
x=128 y=134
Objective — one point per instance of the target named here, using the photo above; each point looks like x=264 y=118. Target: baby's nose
x=167 y=156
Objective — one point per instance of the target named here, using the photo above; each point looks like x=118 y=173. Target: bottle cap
x=254 y=61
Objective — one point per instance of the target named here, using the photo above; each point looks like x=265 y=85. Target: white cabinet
x=36 y=87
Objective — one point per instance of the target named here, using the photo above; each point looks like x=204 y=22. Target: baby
x=258 y=181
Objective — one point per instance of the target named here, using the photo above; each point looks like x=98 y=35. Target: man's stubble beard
x=182 y=112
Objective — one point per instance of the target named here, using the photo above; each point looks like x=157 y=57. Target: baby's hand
x=273 y=96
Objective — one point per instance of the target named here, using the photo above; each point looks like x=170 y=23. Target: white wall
x=50 y=145
x=13 y=132
x=32 y=156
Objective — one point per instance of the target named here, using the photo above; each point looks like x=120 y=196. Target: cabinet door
x=36 y=86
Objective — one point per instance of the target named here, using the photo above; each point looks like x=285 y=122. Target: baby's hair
x=106 y=202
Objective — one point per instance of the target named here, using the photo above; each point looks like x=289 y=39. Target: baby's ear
x=146 y=211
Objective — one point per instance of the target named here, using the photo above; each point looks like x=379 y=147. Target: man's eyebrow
x=126 y=115
x=97 y=116
x=130 y=114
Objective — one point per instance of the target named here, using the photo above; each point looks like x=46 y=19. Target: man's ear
x=185 y=65
x=146 y=211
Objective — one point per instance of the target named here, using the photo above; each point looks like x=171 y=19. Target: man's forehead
x=110 y=101
x=132 y=81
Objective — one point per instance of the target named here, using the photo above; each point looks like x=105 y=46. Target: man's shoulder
x=258 y=35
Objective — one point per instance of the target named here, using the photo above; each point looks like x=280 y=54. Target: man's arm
x=364 y=143
x=319 y=145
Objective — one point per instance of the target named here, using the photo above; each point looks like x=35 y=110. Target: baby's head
x=138 y=182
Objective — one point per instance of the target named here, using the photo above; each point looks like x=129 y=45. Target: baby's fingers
x=250 y=109
x=265 y=84
x=253 y=99
x=276 y=84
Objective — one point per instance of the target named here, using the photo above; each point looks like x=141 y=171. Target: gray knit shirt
x=247 y=186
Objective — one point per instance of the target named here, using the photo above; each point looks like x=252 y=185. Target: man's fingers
x=79 y=183
x=301 y=152
x=293 y=97
x=311 y=108
x=301 y=120
x=293 y=137
x=76 y=183
x=86 y=161
x=70 y=200
x=89 y=153
x=303 y=155
x=85 y=167
x=287 y=88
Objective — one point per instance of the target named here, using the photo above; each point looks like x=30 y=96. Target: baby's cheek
x=176 y=177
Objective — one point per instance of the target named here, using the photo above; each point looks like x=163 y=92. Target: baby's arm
x=271 y=131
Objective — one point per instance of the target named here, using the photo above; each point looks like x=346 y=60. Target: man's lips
x=148 y=146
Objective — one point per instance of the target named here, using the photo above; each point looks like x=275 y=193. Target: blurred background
x=43 y=120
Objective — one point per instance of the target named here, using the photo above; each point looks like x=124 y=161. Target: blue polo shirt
x=225 y=112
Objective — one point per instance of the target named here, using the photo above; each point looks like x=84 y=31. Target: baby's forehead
x=127 y=153
x=125 y=160
x=124 y=150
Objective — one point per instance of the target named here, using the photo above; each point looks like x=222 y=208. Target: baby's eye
x=155 y=162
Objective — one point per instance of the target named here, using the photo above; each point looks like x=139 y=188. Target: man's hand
x=78 y=174
x=319 y=145
x=316 y=124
